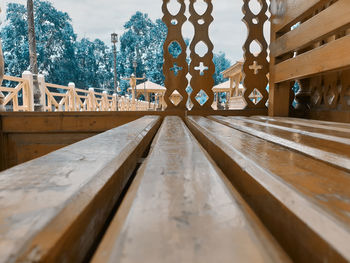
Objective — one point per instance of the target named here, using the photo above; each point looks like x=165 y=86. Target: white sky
x=99 y=18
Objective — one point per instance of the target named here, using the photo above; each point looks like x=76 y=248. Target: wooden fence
x=58 y=98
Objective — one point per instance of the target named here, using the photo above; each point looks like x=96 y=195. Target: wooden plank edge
x=277 y=218
x=105 y=249
x=87 y=212
x=291 y=41
x=298 y=12
x=333 y=159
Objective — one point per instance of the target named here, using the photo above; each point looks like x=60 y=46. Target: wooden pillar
x=42 y=88
x=28 y=76
x=72 y=97
x=115 y=102
x=2 y=72
x=91 y=103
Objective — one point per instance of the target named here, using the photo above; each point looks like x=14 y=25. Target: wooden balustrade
x=59 y=98
x=313 y=53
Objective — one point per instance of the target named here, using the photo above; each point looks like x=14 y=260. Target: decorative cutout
x=201 y=21
x=200 y=7
x=201 y=49
x=173 y=7
x=175 y=49
x=255 y=96
x=255 y=48
x=176 y=98
x=202 y=97
x=331 y=93
x=255 y=66
x=255 y=6
x=175 y=67
x=345 y=92
x=255 y=21
x=202 y=80
x=201 y=68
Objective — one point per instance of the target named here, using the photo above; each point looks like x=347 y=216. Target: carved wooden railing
x=58 y=98
x=202 y=68
x=10 y=96
x=310 y=47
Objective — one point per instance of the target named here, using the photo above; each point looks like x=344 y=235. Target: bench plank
x=180 y=208
x=335 y=126
x=304 y=202
x=53 y=208
x=308 y=127
x=328 y=148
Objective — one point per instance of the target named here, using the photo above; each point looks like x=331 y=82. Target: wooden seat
x=322 y=144
x=181 y=208
x=53 y=208
x=301 y=197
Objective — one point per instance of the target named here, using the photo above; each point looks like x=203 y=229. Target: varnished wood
x=337 y=17
x=253 y=79
x=328 y=148
x=301 y=200
x=201 y=80
x=54 y=207
x=314 y=62
x=181 y=208
x=296 y=10
x=175 y=80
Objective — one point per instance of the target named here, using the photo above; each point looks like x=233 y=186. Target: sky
x=99 y=18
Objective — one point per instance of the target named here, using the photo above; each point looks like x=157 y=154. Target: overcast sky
x=98 y=18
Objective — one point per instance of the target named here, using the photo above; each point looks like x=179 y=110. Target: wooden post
x=29 y=96
x=72 y=97
x=115 y=103
x=42 y=87
x=2 y=97
x=91 y=104
x=104 y=102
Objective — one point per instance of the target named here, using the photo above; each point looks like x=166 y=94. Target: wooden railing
x=310 y=47
x=11 y=95
x=64 y=98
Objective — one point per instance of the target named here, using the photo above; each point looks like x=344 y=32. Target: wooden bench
x=181 y=208
x=52 y=209
x=302 y=197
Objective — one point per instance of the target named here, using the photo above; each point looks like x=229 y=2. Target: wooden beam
x=289 y=191
x=181 y=208
x=53 y=208
x=334 y=18
x=332 y=56
x=295 y=10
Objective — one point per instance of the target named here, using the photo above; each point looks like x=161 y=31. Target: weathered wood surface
x=326 y=147
x=53 y=208
x=181 y=208
x=303 y=201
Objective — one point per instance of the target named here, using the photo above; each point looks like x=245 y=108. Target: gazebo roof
x=224 y=87
x=149 y=87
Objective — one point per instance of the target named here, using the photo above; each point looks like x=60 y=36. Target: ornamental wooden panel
x=314 y=54
x=202 y=67
x=175 y=66
x=255 y=66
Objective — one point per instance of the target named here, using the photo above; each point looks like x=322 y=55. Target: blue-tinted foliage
x=63 y=59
